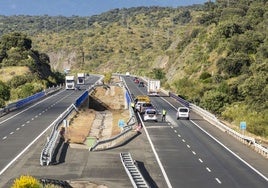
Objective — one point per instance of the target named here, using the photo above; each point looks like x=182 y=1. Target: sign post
x=243 y=126
x=121 y=123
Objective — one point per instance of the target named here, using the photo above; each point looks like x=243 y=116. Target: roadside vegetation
x=214 y=55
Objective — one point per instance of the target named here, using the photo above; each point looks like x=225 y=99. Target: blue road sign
x=121 y=123
x=243 y=125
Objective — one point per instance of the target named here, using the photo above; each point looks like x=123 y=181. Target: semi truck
x=80 y=78
x=153 y=87
x=69 y=82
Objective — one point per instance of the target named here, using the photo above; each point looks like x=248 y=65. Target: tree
x=4 y=91
x=15 y=39
x=158 y=73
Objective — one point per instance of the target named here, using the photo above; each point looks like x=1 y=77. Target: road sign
x=121 y=123
x=243 y=125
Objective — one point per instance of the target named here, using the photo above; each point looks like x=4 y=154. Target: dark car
x=141 y=84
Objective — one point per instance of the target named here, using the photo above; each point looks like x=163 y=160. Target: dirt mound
x=100 y=116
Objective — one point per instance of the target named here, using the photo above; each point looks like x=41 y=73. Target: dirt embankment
x=98 y=118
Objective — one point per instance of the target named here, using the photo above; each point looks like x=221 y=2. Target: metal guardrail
x=133 y=172
x=23 y=102
x=214 y=120
x=47 y=152
x=112 y=142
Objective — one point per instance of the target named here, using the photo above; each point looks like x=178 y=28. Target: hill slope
x=214 y=55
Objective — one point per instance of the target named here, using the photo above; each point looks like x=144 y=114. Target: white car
x=150 y=114
x=183 y=112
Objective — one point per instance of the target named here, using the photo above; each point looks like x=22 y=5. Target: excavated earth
x=97 y=118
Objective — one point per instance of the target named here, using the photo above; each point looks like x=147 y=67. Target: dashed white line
x=17 y=129
x=218 y=180
x=183 y=140
x=179 y=135
x=188 y=146
x=36 y=116
x=193 y=152
x=200 y=160
x=28 y=122
x=11 y=133
x=4 y=138
x=32 y=118
x=208 y=169
x=175 y=131
x=23 y=125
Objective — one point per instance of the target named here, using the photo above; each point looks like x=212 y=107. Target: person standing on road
x=164 y=113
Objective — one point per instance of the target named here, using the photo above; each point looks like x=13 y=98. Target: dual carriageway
x=176 y=153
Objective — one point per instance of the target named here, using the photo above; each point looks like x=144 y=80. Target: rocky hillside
x=23 y=71
x=214 y=55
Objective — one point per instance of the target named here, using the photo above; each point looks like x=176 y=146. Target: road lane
x=191 y=158
x=26 y=124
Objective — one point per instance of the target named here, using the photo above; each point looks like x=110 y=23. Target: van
x=183 y=112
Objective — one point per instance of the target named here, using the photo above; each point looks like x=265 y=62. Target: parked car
x=183 y=112
x=141 y=84
x=150 y=114
x=145 y=106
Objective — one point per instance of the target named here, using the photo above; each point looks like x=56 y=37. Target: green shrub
x=4 y=91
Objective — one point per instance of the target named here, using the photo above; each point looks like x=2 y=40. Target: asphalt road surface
x=176 y=153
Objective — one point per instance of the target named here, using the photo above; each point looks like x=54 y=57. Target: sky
x=80 y=7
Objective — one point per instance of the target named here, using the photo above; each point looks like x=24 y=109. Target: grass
x=7 y=73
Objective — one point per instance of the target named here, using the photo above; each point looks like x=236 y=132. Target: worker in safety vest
x=164 y=113
x=132 y=105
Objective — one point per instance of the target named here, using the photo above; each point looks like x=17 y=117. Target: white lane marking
x=28 y=122
x=188 y=146
x=29 y=108
x=11 y=133
x=17 y=129
x=156 y=155
x=25 y=149
x=4 y=138
x=23 y=125
x=36 y=116
x=183 y=140
x=218 y=180
x=179 y=135
x=200 y=160
x=208 y=169
x=247 y=164
x=32 y=119
x=194 y=152
x=175 y=131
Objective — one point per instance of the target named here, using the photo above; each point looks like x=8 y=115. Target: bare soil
x=99 y=116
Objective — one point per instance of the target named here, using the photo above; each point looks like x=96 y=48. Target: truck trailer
x=81 y=78
x=69 y=82
x=153 y=87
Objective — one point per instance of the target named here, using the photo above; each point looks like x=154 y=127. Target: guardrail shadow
x=145 y=174
x=60 y=152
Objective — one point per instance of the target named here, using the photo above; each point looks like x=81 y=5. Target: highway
x=176 y=153
x=191 y=157
x=21 y=128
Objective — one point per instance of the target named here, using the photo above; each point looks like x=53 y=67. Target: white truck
x=153 y=87
x=69 y=82
x=81 y=78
